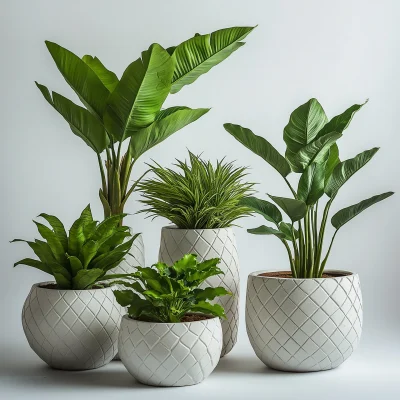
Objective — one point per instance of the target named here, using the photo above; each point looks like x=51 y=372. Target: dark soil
x=195 y=317
x=288 y=274
x=54 y=286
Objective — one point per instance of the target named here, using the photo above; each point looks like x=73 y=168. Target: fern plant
x=82 y=258
x=169 y=293
x=311 y=151
x=199 y=195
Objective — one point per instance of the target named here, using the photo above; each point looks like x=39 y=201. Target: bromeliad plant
x=130 y=109
x=169 y=293
x=83 y=258
x=199 y=196
x=312 y=152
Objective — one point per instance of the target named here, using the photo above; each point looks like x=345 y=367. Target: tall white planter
x=209 y=243
x=72 y=329
x=303 y=325
x=166 y=354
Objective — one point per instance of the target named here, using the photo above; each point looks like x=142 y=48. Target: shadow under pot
x=170 y=354
x=303 y=325
x=72 y=329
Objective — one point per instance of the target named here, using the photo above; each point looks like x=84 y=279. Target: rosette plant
x=123 y=118
x=312 y=152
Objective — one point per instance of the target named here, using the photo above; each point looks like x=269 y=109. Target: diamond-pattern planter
x=72 y=329
x=303 y=325
x=161 y=354
x=209 y=243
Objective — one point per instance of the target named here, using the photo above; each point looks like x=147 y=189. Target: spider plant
x=199 y=195
x=312 y=152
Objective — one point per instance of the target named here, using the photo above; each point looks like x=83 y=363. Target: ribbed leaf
x=347 y=214
x=75 y=265
x=88 y=251
x=266 y=230
x=295 y=209
x=346 y=169
x=263 y=207
x=107 y=77
x=107 y=227
x=311 y=184
x=140 y=93
x=259 y=146
x=105 y=261
x=76 y=235
x=86 y=278
x=198 y=55
x=333 y=160
x=58 y=228
x=304 y=124
x=30 y=262
x=53 y=242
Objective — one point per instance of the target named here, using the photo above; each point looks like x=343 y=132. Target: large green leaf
x=61 y=275
x=53 y=242
x=199 y=54
x=263 y=207
x=311 y=184
x=140 y=93
x=81 y=78
x=76 y=235
x=75 y=265
x=88 y=251
x=304 y=124
x=161 y=129
x=30 y=262
x=86 y=278
x=347 y=214
x=58 y=228
x=289 y=231
x=295 y=209
x=259 y=146
x=333 y=160
x=107 y=77
x=266 y=230
x=346 y=169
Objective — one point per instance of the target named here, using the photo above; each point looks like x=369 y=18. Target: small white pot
x=72 y=329
x=209 y=243
x=167 y=354
x=303 y=325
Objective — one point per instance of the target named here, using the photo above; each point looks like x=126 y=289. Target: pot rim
x=38 y=285
x=194 y=229
x=332 y=271
x=126 y=317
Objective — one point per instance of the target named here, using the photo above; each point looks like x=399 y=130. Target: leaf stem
x=292 y=265
x=321 y=270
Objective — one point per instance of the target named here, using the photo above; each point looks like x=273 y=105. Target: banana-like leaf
x=346 y=169
x=295 y=209
x=263 y=207
x=260 y=146
x=198 y=55
x=347 y=214
x=304 y=124
x=85 y=83
x=161 y=129
x=107 y=77
x=30 y=262
x=333 y=160
x=52 y=240
x=58 y=229
x=82 y=123
x=266 y=230
x=139 y=95
x=289 y=231
x=311 y=184
x=86 y=278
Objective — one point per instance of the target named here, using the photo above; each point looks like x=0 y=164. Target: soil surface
x=288 y=274
x=195 y=317
x=54 y=286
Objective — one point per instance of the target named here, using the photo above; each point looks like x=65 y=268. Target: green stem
x=307 y=243
x=321 y=270
x=296 y=252
x=321 y=234
x=131 y=190
x=290 y=187
x=103 y=176
x=301 y=248
x=292 y=266
x=310 y=260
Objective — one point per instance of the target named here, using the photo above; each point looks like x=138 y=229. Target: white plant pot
x=209 y=243
x=167 y=354
x=303 y=325
x=72 y=329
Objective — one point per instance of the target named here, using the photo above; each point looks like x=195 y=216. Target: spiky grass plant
x=198 y=195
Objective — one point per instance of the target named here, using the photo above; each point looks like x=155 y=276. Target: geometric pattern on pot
x=303 y=325
x=209 y=243
x=167 y=354
x=72 y=329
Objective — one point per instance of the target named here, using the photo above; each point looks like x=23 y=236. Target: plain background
x=341 y=52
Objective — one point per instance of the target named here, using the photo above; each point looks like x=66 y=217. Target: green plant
x=168 y=293
x=312 y=152
x=83 y=258
x=129 y=109
x=199 y=196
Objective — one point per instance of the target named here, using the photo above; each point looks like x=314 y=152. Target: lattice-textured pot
x=161 y=354
x=209 y=243
x=72 y=329
x=303 y=325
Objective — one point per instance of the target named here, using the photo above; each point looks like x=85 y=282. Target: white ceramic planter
x=72 y=329
x=209 y=243
x=161 y=354
x=303 y=325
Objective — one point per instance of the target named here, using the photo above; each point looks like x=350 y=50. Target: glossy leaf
x=75 y=265
x=30 y=262
x=289 y=231
x=333 y=160
x=211 y=293
x=263 y=207
x=266 y=230
x=61 y=275
x=295 y=209
x=58 y=228
x=311 y=184
x=52 y=240
x=207 y=308
x=107 y=77
x=86 y=278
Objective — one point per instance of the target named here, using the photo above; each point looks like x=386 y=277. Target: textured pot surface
x=209 y=243
x=303 y=325
x=72 y=329
x=161 y=354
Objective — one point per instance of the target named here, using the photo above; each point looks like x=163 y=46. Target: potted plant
x=171 y=335
x=308 y=318
x=202 y=202
x=73 y=323
x=123 y=118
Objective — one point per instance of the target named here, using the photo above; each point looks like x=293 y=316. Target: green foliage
x=168 y=293
x=312 y=151
x=130 y=108
x=82 y=258
x=199 y=195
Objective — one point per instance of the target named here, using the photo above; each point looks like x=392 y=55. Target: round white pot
x=161 y=354
x=72 y=329
x=303 y=325
x=209 y=243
